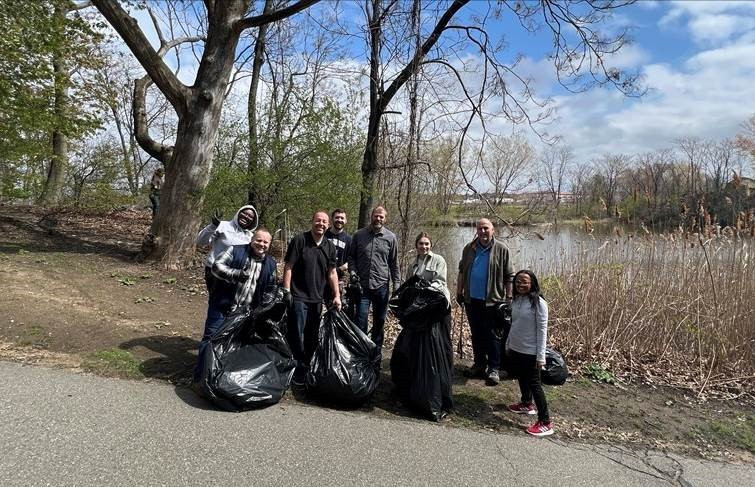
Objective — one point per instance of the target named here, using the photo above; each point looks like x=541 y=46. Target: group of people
x=319 y=261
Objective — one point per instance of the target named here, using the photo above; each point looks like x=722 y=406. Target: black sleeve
x=332 y=255
x=294 y=251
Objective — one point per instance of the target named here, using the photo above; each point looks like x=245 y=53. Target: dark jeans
x=378 y=298
x=303 y=328
x=154 y=198
x=215 y=317
x=529 y=382
x=486 y=348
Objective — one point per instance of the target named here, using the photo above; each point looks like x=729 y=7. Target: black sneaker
x=476 y=372
x=492 y=379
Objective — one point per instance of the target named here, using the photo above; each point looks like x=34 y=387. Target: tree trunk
x=254 y=153
x=379 y=98
x=369 y=161
x=177 y=222
x=56 y=173
x=412 y=155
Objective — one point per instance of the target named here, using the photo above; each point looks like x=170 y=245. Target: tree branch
x=127 y=27
x=161 y=152
x=257 y=20
x=410 y=68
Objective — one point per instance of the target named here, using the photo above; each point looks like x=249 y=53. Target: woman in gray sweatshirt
x=526 y=349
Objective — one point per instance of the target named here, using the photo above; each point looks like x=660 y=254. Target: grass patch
x=113 y=362
x=598 y=373
x=735 y=432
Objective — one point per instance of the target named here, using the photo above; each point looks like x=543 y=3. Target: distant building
x=545 y=196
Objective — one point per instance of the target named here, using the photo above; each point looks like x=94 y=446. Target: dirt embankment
x=73 y=297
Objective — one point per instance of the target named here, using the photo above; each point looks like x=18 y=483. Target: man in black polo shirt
x=310 y=268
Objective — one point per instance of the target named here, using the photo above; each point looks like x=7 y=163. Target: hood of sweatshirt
x=235 y=220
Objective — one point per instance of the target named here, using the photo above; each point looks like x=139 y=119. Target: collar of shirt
x=479 y=249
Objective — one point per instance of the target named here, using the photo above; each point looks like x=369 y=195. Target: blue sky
x=698 y=63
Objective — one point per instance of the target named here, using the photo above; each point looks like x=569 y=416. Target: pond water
x=528 y=251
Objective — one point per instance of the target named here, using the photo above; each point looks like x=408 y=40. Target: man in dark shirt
x=310 y=268
x=338 y=237
x=373 y=257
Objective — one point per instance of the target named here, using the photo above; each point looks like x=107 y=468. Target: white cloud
x=708 y=96
x=711 y=22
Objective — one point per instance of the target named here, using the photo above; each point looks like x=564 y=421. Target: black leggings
x=529 y=382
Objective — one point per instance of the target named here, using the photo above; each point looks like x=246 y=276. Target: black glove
x=460 y=299
x=216 y=216
x=354 y=283
x=287 y=298
x=243 y=275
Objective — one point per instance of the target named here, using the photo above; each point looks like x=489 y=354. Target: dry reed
x=677 y=311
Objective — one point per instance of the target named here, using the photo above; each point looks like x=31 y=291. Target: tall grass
x=683 y=308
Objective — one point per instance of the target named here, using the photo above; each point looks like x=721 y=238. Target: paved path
x=61 y=428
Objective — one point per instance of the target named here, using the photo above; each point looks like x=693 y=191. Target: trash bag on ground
x=501 y=329
x=555 y=372
x=345 y=367
x=248 y=363
x=422 y=355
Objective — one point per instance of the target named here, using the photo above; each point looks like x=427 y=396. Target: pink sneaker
x=522 y=408
x=541 y=429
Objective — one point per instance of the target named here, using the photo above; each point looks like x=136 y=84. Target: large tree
x=198 y=107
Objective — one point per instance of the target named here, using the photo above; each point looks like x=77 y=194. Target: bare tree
x=579 y=184
x=580 y=56
x=553 y=166
x=506 y=161
x=610 y=169
x=198 y=107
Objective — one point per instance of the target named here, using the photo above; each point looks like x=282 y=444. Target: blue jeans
x=486 y=348
x=378 y=298
x=304 y=327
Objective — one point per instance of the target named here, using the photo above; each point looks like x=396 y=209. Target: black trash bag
x=248 y=363
x=501 y=329
x=416 y=300
x=555 y=372
x=423 y=355
x=345 y=367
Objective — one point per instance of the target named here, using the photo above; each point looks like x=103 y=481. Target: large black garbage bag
x=416 y=300
x=555 y=372
x=422 y=355
x=345 y=367
x=249 y=363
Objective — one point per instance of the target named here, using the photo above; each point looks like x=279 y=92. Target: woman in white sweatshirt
x=526 y=349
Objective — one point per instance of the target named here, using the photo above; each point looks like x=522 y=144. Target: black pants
x=304 y=328
x=486 y=347
x=529 y=382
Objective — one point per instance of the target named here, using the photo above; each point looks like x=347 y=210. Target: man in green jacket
x=484 y=282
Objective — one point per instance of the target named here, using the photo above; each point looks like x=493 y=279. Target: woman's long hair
x=534 y=295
